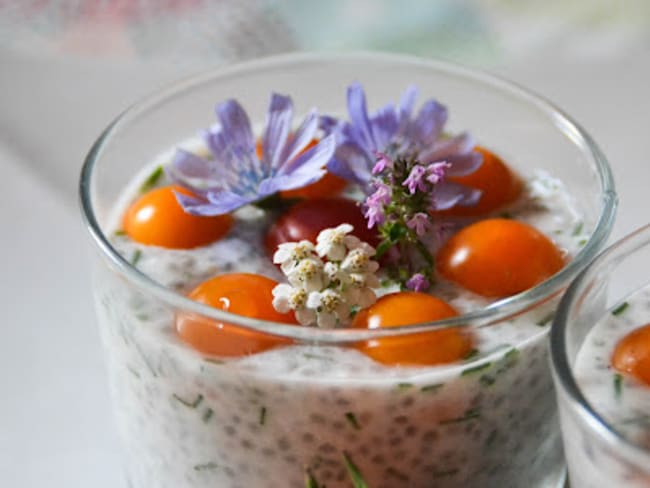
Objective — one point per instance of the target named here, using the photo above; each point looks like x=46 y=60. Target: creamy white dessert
x=276 y=418
x=620 y=399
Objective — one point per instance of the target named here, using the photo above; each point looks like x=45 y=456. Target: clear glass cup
x=597 y=453
x=188 y=421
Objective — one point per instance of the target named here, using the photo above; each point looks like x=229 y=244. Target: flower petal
x=384 y=124
x=236 y=124
x=447 y=194
x=427 y=126
x=463 y=164
x=190 y=165
x=441 y=150
x=314 y=158
x=301 y=138
x=278 y=127
x=351 y=162
x=359 y=115
x=222 y=202
x=295 y=180
x=406 y=104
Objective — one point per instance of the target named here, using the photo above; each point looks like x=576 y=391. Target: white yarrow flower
x=331 y=243
x=289 y=254
x=308 y=274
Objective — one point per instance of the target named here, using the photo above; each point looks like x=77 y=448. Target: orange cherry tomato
x=632 y=354
x=328 y=186
x=498 y=183
x=307 y=218
x=240 y=293
x=157 y=219
x=498 y=257
x=422 y=348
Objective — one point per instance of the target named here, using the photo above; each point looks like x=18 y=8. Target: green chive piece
x=352 y=419
x=152 y=180
x=475 y=369
x=137 y=254
x=262 y=415
x=353 y=471
x=546 y=320
x=444 y=474
x=206 y=466
x=214 y=360
x=618 y=385
x=404 y=386
x=582 y=242
x=469 y=415
x=207 y=415
x=620 y=309
x=432 y=388
x=578 y=229
x=119 y=233
x=470 y=355
x=505 y=215
x=188 y=404
x=486 y=380
x=512 y=354
x=310 y=481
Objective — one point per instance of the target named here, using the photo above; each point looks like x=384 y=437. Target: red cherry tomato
x=498 y=257
x=157 y=219
x=307 y=218
x=240 y=293
x=632 y=354
x=423 y=348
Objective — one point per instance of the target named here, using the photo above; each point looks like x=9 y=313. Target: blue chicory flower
x=235 y=175
x=365 y=141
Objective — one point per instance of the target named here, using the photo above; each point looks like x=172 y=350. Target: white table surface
x=56 y=428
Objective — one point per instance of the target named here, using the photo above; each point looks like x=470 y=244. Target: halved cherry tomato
x=329 y=185
x=632 y=354
x=423 y=348
x=498 y=257
x=157 y=219
x=307 y=218
x=240 y=293
x=498 y=183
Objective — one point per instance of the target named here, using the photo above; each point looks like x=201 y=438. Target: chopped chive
x=145 y=359
x=512 y=354
x=486 y=380
x=432 y=388
x=404 y=386
x=352 y=419
x=620 y=309
x=444 y=474
x=133 y=372
x=475 y=369
x=262 y=415
x=308 y=355
x=119 y=232
x=491 y=438
x=505 y=215
x=137 y=254
x=353 y=471
x=207 y=415
x=470 y=355
x=214 y=360
x=310 y=481
x=206 y=466
x=469 y=415
x=618 y=385
x=193 y=404
x=582 y=242
x=578 y=229
x=546 y=319
x=152 y=180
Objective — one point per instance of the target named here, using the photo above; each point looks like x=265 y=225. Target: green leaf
x=352 y=419
x=475 y=369
x=618 y=385
x=187 y=403
x=353 y=471
x=310 y=481
x=382 y=248
x=262 y=415
x=578 y=229
x=137 y=254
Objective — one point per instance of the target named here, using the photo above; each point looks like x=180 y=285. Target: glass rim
x=498 y=311
x=561 y=364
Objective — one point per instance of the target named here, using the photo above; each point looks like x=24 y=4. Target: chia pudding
x=317 y=414
x=622 y=400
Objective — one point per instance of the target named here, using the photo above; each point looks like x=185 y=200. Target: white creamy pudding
x=308 y=412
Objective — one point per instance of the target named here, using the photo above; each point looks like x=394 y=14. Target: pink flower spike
x=420 y=223
x=415 y=180
x=382 y=163
x=436 y=172
x=418 y=282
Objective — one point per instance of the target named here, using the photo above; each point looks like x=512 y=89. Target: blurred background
x=68 y=67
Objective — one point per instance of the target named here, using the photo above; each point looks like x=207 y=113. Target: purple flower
x=398 y=133
x=415 y=179
x=383 y=162
x=436 y=172
x=235 y=175
x=374 y=205
x=418 y=282
x=420 y=223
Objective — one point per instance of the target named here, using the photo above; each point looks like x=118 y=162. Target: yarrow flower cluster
x=328 y=281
